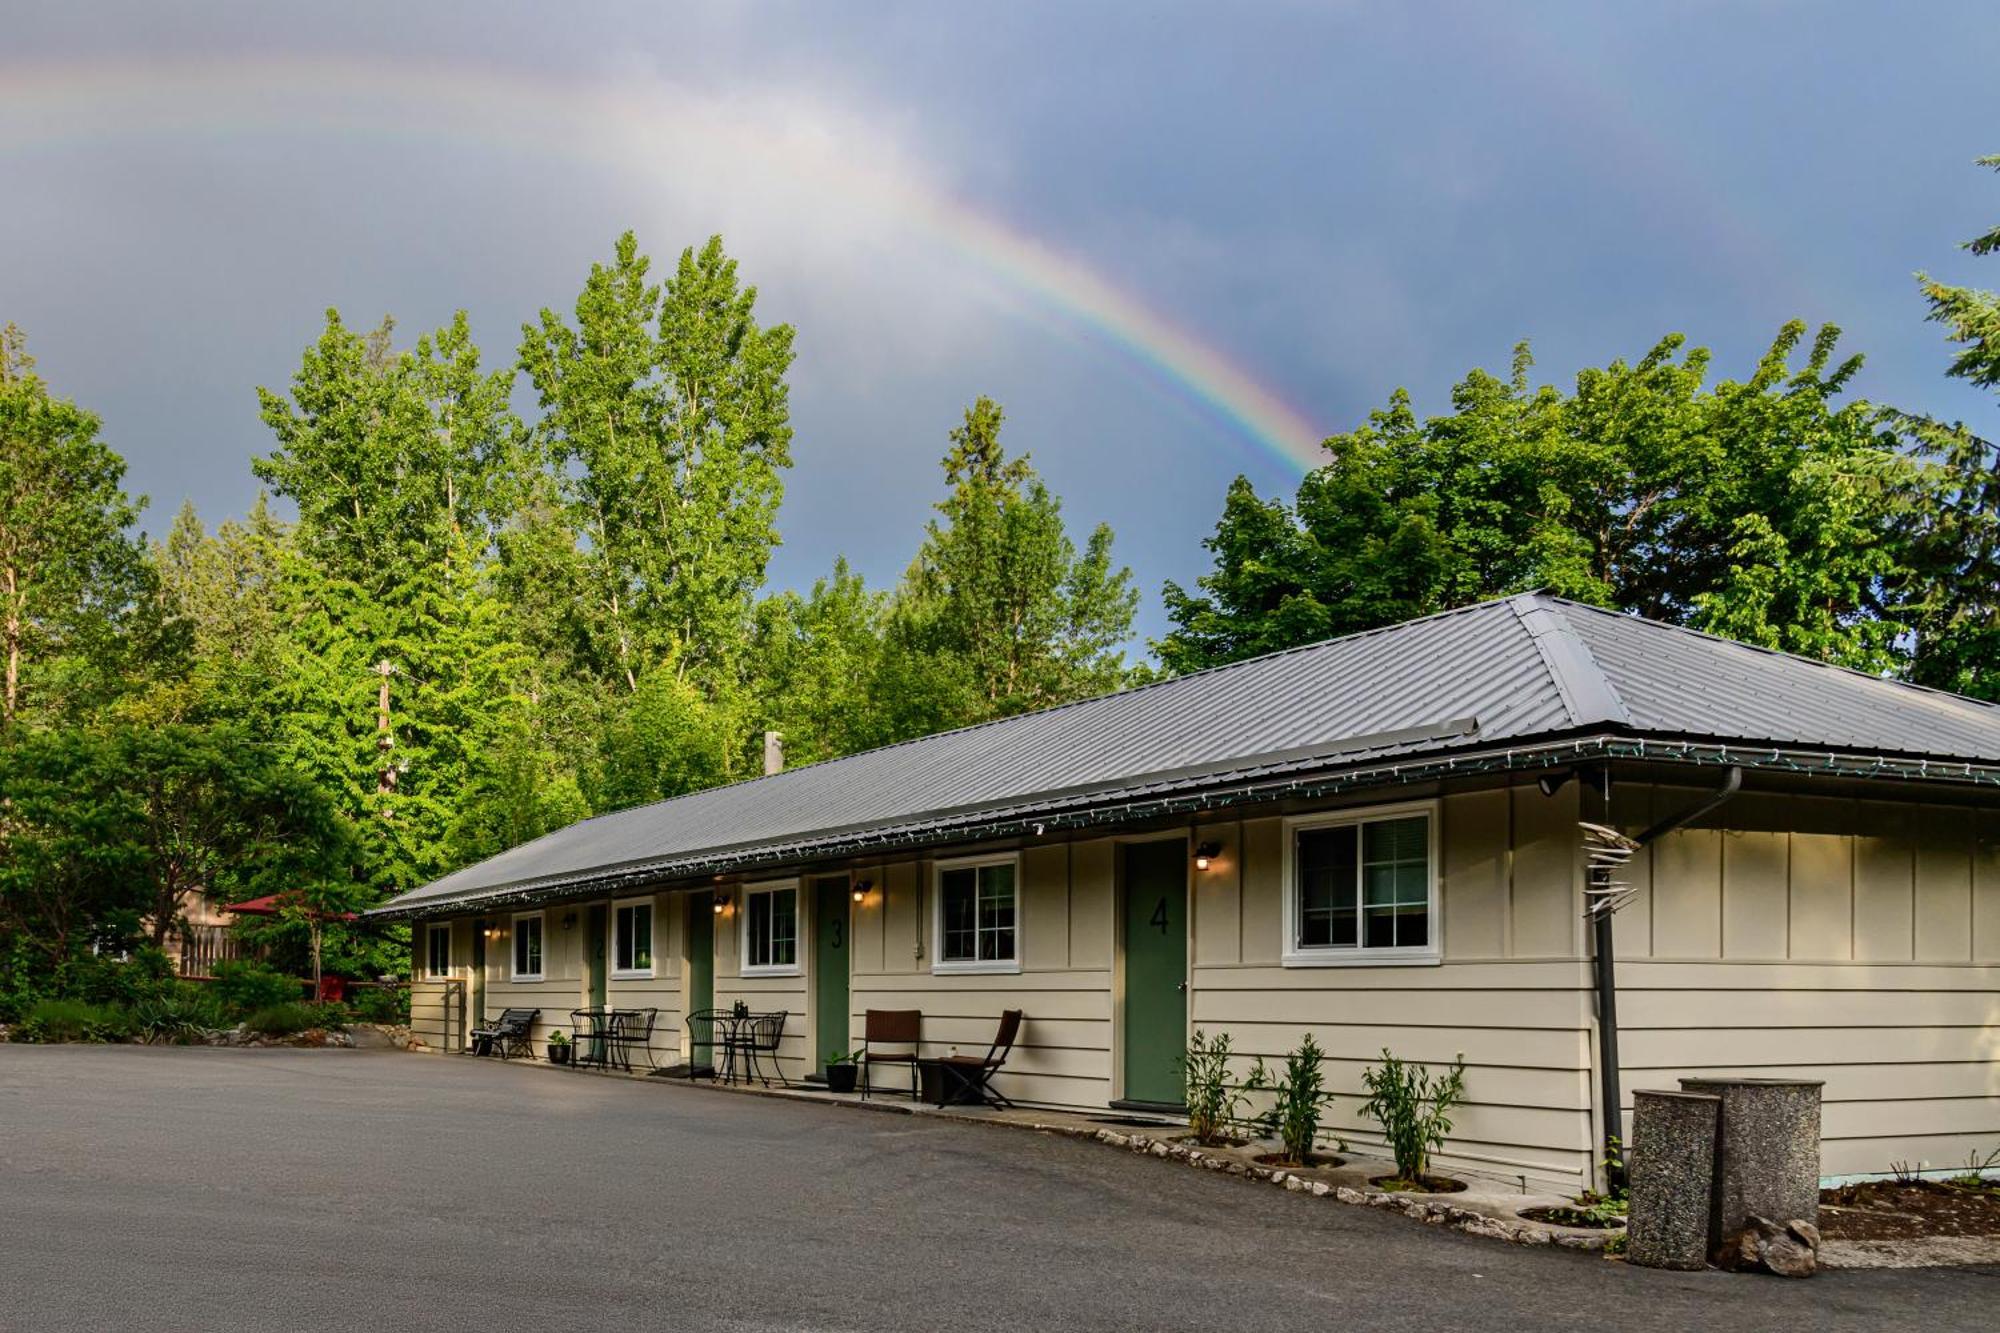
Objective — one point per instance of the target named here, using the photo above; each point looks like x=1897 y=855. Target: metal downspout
x=1606 y=960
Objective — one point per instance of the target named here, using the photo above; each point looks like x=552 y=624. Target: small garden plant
x=1414 y=1107
x=1212 y=1100
x=1974 y=1176
x=1299 y=1095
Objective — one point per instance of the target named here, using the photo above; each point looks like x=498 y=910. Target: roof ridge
x=1947 y=700
x=1580 y=679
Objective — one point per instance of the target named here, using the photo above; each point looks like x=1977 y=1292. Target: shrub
x=283 y=1020
x=105 y=979
x=73 y=1020
x=182 y=1015
x=1300 y=1095
x=384 y=1005
x=1212 y=1100
x=1413 y=1107
x=245 y=986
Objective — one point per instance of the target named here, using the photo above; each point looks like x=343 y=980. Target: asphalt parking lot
x=156 y=1188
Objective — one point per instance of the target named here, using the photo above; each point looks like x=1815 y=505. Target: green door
x=1155 y=937
x=700 y=952
x=830 y=967
x=478 y=1004
x=593 y=953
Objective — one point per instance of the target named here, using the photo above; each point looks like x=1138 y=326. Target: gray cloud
x=1344 y=199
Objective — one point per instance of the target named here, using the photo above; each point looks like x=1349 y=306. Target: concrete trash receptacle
x=1673 y=1178
x=1766 y=1151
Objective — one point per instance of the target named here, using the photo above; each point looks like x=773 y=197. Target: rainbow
x=46 y=108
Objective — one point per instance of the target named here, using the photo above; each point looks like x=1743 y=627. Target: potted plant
x=841 y=1070
x=559 y=1047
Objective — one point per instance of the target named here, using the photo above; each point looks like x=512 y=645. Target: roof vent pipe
x=774 y=752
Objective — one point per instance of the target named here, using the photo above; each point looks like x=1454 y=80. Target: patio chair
x=630 y=1028
x=891 y=1027
x=758 y=1034
x=970 y=1077
x=507 y=1036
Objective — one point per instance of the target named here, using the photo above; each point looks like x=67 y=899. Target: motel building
x=1378 y=840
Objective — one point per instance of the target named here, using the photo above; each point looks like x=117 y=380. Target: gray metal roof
x=1522 y=669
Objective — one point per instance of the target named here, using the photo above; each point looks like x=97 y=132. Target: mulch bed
x=1318 y=1159
x=1426 y=1185
x=1902 y=1210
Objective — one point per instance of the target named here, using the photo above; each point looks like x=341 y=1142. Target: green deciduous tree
x=1767 y=508
x=1955 y=579
x=667 y=418
x=71 y=576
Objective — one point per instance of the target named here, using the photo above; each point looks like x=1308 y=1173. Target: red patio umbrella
x=273 y=904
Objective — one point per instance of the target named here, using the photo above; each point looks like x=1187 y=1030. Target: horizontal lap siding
x=662 y=990
x=439 y=1017
x=1852 y=942
x=1512 y=996
x=1062 y=1056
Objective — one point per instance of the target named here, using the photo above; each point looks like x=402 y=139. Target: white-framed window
x=978 y=914
x=771 y=929
x=632 y=938
x=528 y=946
x=1361 y=887
x=437 y=950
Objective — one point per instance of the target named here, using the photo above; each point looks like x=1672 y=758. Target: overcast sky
x=1150 y=231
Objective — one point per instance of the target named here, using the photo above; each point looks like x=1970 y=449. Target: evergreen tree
x=999 y=607
x=400 y=676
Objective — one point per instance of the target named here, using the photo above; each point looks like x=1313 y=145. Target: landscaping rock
x=1673 y=1178
x=1761 y=1245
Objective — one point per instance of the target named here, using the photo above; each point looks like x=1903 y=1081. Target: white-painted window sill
x=1361 y=958
x=991 y=969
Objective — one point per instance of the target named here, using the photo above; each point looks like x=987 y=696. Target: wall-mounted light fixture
x=569 y=920
x=721 y=902
x=1206 y=852
x=861 y=887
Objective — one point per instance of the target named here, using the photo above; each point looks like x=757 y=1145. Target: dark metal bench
x=508 y=1035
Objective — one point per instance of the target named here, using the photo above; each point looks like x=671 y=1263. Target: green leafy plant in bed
x=1212 y=1100
x=1298 y=1096
x=1414 y=1108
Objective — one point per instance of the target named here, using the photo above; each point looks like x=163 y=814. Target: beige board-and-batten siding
x=1847 y=940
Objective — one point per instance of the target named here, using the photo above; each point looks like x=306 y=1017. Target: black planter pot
x=559 y=1055
x=840 y=1077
